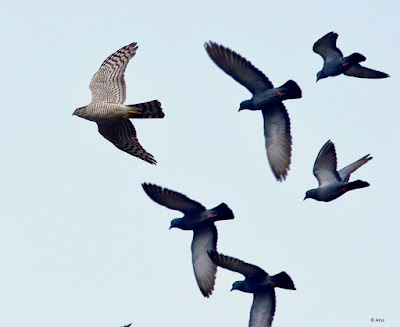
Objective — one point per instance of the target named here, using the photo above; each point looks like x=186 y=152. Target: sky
x=83 y=245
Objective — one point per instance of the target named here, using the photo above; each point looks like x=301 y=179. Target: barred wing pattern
x=122 y=134
x=108 y=84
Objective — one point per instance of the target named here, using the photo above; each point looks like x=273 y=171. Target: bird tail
x=283 y=280
x=151 y=109
x=291 y=90
x=222 y=212
x=355 y=58
x=355 y=185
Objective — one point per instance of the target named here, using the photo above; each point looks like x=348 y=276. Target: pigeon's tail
x=221 y=212
x=290 y=90
x=151 y=109
x=355 y=58
x=355 y=185
x=283 y=280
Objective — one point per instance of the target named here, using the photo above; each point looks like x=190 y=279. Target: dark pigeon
x=127 y=325
x=278 y=140
x=335 y=64
x=201 y=221
x=332 y=183
x=259 y=283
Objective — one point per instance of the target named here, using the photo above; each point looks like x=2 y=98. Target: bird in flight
x=258 y=282
x=333 y=183
x=335 y=64
x=267 y=99
x=107 y=107
x=201 y=221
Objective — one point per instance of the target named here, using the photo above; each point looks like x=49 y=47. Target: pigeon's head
x=176 y=223
x=81 y=112
x=311 y=194
x=321 y=75
x=246 y=105
x=238 y=286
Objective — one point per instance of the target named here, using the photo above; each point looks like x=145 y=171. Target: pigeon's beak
x=305 y=197
x=231 y=289
x=240 y=109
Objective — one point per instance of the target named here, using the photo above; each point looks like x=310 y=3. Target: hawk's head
x=80 y=112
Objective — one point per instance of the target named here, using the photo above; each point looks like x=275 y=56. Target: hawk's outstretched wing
x=122 y=134
x=108 y=84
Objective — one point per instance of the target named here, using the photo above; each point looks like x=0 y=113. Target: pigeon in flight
x=278 y=140
x=259 y=283
x=333 y=183
x=201 y=221
x=335 y=64
x=127 y=325
x=108 y=111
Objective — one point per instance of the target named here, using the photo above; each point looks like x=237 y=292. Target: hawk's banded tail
x=151 y=109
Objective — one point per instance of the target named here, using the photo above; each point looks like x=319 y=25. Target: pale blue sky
x=82 y=244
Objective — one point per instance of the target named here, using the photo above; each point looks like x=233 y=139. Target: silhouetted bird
x=259 y=283
x=335 y=64
x=278 y=140
x=201 y=221
x=333 y=183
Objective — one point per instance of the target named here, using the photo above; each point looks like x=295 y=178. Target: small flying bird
x=108 y=111
x=201 y=221
x=278 y=140
x=127 y=325
x=335 y=64
x=333 y=183
x=259 y=283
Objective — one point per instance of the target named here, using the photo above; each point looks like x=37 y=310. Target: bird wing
x=363 y=72
x=204 y=239
x=325 y=165
x=108 y=84
x=263 y=308
x=345 y=172
x=171 y=199
x=238 y=67
x=278 y=141
x=248 y=270
x=326 y=47
x=123 y=135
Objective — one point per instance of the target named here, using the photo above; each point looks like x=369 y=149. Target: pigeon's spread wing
x=123 y=135
x=263 y=308
x=204 y=239
x=345 y=172
x=363 y=72
x=108 y=84
x=171 y=199
x=238 y=67
x=325 y=165
x=326 y=47
x=248 y=270
x=278 y=141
